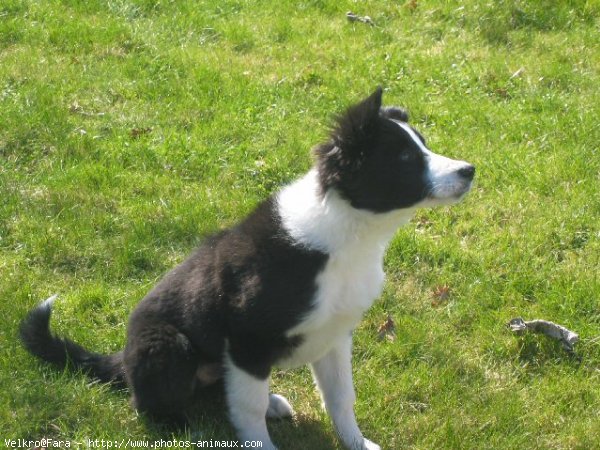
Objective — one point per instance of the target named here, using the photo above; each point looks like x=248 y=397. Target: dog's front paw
x=368 y=445
x=279 y=407
x=360 y=443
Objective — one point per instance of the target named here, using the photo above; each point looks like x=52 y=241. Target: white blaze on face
x=443 y=175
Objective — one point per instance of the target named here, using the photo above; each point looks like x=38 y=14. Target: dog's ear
x=359 y=122
x=349 y=140
x=393 y=112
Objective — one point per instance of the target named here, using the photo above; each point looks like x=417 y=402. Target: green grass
x=131 y=129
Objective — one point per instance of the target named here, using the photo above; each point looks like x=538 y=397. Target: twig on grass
x=355 y=18
x=566 y=337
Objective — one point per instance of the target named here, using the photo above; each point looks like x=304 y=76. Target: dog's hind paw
x=279 y=407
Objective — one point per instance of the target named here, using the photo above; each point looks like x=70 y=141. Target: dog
x=283 y=288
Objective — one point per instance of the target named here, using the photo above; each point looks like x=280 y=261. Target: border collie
x=285 y=287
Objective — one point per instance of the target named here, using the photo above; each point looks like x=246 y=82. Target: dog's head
x=379 y=163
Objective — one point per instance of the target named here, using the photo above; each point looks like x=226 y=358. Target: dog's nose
x=467 y=171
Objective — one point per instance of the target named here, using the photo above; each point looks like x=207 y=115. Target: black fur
x=247 y=286
x=36 y=337
x=371 y=161
x=393 y=112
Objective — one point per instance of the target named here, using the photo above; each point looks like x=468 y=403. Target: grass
x=131 y=129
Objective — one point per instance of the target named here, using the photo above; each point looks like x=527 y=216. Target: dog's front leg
x=333 y=375
x=248 y=402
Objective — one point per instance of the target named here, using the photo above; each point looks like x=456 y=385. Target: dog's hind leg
x=161 y=369
x=209 y=373
x=279 y=407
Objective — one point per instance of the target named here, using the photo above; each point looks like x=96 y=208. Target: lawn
x=129 y=130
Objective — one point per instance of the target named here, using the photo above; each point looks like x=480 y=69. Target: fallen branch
x=566 y=337
x=355 y=18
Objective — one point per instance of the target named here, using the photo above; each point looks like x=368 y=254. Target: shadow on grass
x=208 y=420
x=539 y=352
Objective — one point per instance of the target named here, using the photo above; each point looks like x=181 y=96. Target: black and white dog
x=284 y=288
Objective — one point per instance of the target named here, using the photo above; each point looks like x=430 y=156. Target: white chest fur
x=347 y=287
x=352 y=279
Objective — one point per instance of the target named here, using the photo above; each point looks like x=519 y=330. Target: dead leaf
x=440 y=295
x=387 y=330
x=75 y=108
x=502 y=92
x=411 y=4
x=136 y=133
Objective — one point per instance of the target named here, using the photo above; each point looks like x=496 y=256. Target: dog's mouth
x=463 y=190
x=448 y=191
x=451 y=188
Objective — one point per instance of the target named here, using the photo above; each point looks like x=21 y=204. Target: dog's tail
x=37 y=339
